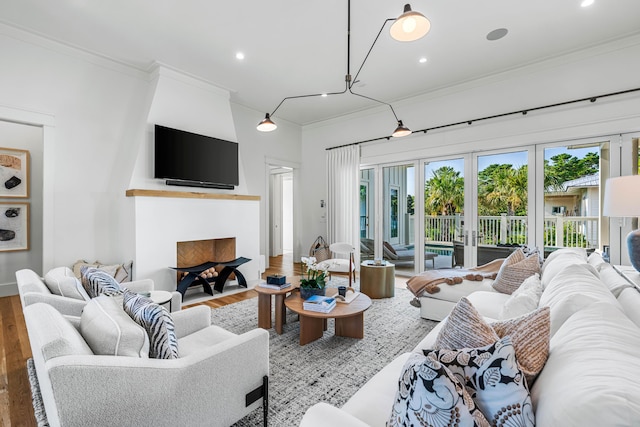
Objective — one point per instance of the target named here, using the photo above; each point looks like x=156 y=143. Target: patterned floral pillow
x=430 y=395
x=493 y=379
x=96 y=282
x=156 y=320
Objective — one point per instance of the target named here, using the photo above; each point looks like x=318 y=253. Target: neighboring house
x=578 y=197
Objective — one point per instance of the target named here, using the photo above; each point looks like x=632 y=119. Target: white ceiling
x=295 y=47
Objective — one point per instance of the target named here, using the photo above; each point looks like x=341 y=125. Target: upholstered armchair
x=61 y=289
x=99 y=372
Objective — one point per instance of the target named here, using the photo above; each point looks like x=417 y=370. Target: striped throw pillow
x=156 y=320
x=515 y=270
x=465 y=328
x=530 y=335
x=96 y=282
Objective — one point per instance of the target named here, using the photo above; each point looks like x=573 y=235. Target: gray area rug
x=330 y=369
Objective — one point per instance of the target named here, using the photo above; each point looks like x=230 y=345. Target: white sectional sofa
x=592 y=372
x=61 y=289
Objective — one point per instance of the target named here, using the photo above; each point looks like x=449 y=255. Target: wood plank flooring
x=15 y=394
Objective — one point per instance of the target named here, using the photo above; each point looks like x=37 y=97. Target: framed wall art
x=14 y=173
x=14 y=226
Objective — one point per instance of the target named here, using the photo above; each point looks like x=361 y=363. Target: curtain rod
x=495 y=116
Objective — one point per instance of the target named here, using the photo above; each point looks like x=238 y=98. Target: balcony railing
x=559 y=231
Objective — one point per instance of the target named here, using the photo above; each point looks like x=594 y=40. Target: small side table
x=377 y=281
x=161 y=297
x=264 y=304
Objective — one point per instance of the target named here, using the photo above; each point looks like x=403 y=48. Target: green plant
x=315 y=276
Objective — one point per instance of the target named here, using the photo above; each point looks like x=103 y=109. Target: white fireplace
x=163 y=218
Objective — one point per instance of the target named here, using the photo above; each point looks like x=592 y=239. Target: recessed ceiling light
x=240 y=55
x=586 y=3
x=497 y=34
x=422 y=60
x=324 y=95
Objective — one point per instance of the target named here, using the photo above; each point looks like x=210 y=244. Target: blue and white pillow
x=430 y=395
x=156 y=320
x=493 y=379
x=96 y=282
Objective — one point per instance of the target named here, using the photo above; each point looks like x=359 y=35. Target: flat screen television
x=188 y=159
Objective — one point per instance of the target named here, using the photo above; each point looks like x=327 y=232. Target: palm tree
x=444 y=195
x=509 y=189
x=444 y=192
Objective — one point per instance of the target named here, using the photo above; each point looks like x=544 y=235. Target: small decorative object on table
x=276 y=279
x=314 y=282
x=319 y=303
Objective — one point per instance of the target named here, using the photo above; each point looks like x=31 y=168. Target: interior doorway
x=281 y=210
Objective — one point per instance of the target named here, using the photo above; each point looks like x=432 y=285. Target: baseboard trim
x=8 y=289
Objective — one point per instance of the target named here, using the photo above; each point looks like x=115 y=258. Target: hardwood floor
x=15 y=392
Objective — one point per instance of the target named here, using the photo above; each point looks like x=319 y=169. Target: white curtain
x=343 y=216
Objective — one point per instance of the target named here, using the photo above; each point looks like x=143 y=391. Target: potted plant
x=313 y=283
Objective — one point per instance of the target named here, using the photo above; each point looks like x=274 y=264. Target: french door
x=469 y=209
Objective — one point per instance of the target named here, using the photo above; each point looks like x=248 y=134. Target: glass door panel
x=398 y=217
x=501 y=204
x=444 y=213
x=573 y=177
x=367 y=213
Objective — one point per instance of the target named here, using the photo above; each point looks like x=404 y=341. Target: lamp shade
x=622 y=199
x=401 y=130
x=266 y=125
x=410 y=26
x=622 y=196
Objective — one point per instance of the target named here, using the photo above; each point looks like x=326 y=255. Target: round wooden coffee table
x=349 y=317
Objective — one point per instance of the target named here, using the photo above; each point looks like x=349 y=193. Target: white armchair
x=340 y=265
x=70 y=298
x=219 y=378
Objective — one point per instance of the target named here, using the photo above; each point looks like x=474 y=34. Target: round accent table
x=377 y=281
x=265 y=307
x=349 y=317
x=161 y=298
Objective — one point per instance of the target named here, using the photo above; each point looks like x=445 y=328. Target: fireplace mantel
x=188 y=195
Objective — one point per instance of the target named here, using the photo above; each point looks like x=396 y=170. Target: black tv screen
x=194 y=159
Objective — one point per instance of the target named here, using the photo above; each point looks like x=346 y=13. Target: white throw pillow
x=524 y=299
x=558 y=260
x=572 y=289
x=109 y=330
x=61 y=281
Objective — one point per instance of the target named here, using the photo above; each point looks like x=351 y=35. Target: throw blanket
x=429 y=281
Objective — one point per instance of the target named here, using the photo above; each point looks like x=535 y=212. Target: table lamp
x=622 y=199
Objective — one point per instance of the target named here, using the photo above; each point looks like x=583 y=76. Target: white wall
x=282 y=146
x=96 y=113
x=609 y=68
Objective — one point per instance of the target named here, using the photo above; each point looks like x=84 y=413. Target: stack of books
x=319 y=303
x=272 y=286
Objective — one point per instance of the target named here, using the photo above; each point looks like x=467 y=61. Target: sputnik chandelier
x=409 y=26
